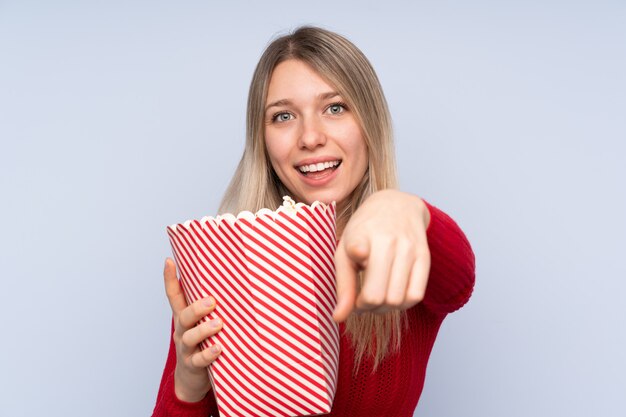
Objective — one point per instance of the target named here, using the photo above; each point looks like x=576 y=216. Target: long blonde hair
x=255 y=185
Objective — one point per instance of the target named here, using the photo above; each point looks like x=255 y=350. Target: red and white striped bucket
x=273 y=276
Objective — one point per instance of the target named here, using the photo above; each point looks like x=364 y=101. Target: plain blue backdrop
x=118 y=118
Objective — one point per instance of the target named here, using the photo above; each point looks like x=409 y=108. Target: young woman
x=318 y=128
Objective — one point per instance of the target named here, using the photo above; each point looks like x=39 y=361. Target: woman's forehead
x=294 y=77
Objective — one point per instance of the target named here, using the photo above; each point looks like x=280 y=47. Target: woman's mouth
x=318 y=170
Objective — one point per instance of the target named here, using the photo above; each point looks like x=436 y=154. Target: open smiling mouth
x=318 y=170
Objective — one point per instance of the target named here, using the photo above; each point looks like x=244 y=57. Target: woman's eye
x=336 y=108
x=282 y=117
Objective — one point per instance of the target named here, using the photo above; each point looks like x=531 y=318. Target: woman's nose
x=312 y=134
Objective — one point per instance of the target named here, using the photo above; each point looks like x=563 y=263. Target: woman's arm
x=401 y=243
x=168 y=404
x=185 y=385
x=452 y=267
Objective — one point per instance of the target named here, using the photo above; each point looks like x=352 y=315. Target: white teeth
x=318 y=167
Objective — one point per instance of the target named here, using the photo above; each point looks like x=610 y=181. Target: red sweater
x=395 y=387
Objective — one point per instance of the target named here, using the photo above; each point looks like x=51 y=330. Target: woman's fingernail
x=215 y=349
x=215 y=323
x=208 y=302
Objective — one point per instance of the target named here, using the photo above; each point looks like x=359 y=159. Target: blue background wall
x=120 y=117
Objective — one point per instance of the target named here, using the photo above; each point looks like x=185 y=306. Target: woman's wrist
x=425 y=213
x=188 y=394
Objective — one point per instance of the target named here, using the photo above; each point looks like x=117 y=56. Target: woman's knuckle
x=417 y=296
x=394 y=300
x=195 y=360
x=371 y=299
x=389 y=241
x=183 y=320
x=203 y=358
x=196 y=309
x=187 y=338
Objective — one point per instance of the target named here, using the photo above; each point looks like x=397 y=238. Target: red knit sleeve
x=452 y=269
x=168 y=404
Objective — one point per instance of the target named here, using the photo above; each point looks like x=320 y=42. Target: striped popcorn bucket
x=273 y=276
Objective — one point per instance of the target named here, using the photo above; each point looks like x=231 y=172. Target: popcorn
x=272 y=274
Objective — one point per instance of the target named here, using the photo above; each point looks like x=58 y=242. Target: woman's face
x=313 y=140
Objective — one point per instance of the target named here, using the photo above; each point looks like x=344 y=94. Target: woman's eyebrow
x=329 y=95
x=287 y=102
x=278 y=103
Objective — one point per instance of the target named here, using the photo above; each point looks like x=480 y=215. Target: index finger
x=346 y=273
x=174 y=293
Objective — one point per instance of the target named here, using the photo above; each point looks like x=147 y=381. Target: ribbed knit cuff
x=452 y=270
x=174 y=407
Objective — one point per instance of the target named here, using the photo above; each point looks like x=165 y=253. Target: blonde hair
x=255 y=185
